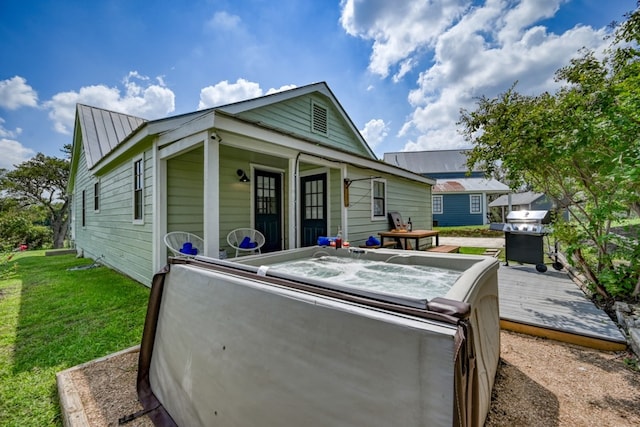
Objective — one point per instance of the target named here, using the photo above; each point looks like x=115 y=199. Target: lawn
x=468 y=231
x=53 y=318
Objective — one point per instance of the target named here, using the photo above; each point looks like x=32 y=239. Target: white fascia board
x=288 y=142
x=167 y=131
x=121 y=149
x=244 y=142
x=184 y=128
x=182 y=145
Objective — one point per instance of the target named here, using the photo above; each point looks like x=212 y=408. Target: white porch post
x=344 y=222
x=294 y=208
x=211 y=214
x=485 y=209
x=160 y=210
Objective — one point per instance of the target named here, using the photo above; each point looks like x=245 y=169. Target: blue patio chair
x=245 y=240
x=184 y=244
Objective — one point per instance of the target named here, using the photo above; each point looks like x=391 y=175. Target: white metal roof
x=104 y=130
x=525 y=198
x=422 y=162
x=467 y=185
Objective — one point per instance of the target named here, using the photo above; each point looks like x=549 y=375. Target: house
x=290 y=164
x=459 y=197
x=527 y=200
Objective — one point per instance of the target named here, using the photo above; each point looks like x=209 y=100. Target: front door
x=268 y=218
x=314 y=208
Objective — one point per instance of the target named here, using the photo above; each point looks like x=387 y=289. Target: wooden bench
x=444 y=249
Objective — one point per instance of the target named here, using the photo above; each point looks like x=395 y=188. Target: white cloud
x=374 y=132
x=13 y=153
x=280 y=89
x=477 y=50
x=6 y=133
x=223 y=21
x=149 y=101
x=398 y=29
x=226 y=93
x=16 y=93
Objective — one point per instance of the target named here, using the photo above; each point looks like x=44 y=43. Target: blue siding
x=456 y=208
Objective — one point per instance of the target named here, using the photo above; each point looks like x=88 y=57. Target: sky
x=402 y=69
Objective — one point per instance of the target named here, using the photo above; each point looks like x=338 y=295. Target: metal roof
x=525 y=198
x=104 y=130
x=425 y=162
x=467 y=185
x=102 y=133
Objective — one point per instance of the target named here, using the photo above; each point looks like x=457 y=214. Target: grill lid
x=525 y=216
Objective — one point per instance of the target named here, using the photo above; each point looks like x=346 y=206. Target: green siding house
x=308 y=172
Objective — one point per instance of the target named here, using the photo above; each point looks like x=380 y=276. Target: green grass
x=471 y=250
x=51 y=319
x=468 y=231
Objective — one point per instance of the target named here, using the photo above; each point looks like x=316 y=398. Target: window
x=96 y=196
x=314 y=198
x=475 y=203
x=84 y=208
x=378 y=199
x=138 y=187
x=437 y=204
x=266 y=195
x=318 y=119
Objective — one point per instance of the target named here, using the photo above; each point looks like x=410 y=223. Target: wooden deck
x=551 y=305
x=444 y=249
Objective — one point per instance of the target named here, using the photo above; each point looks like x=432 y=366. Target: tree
x=580 y=145
x=41 y=181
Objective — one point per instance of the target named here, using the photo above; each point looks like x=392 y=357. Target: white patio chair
x=245 y=240
x=176 y=240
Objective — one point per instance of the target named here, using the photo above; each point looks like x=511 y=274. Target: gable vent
x=318 y=119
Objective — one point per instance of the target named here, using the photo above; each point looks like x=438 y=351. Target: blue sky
x=401 y=69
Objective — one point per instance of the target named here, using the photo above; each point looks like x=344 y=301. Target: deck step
x=492 y=252
x=444 y=249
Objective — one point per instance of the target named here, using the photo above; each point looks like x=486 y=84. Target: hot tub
x=249 y=341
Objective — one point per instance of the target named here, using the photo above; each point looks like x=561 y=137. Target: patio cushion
x=372 y=241
x=188 y=249
x=247 y=243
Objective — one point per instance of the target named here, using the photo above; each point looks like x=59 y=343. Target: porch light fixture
x=243 y=176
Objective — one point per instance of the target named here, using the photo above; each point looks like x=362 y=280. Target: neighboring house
x=308 y=172
x=522 y=201
x=459 y=197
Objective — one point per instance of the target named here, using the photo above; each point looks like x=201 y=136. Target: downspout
x=344 y=223
x=296 y=174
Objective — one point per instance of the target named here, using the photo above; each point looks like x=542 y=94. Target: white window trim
x=434 y=197
x=138 y=221
x=83 y=209
x=471 y=211
x=386 y=210
x=99 y=196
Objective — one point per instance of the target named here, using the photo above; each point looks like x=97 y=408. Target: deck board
x=552 y=301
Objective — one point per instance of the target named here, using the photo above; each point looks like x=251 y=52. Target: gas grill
x=524 y=235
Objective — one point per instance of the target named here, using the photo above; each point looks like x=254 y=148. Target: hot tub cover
x=158 y=401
